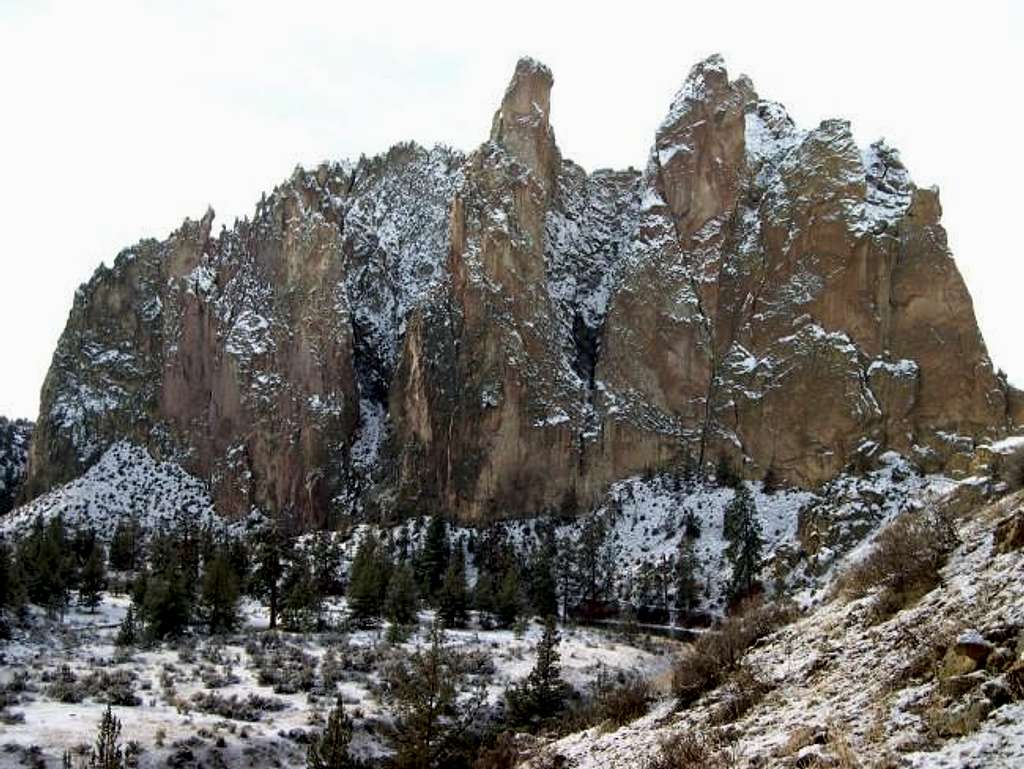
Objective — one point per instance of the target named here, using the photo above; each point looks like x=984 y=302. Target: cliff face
x=502 y=333
x=15 y=438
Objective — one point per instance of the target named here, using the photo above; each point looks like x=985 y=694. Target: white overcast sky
x=118 y=119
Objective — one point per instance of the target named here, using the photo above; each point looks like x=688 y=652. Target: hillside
x=936 y=685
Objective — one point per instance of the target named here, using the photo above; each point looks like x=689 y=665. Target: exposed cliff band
x=502 y=333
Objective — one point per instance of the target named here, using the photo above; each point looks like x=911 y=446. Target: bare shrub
x=692 y=751
x=718 y=652
x=904 y=561
x=743 y=690
x=1011 y=468
x=614 y=702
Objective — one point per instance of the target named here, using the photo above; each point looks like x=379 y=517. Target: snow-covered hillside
x=125 y=483
x=644 y=519
x=838 y=685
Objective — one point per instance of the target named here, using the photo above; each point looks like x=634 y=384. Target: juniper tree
x=434 y=702
x=433 y=558
x=368 y=584
x=271 y=550
x=453 y=598
x=508 y=600
x=302 y=605
x=484 y=599
x=107 y=753
x=93 y=578
x=402 y=601
x=47 y=564
x=12 y=587
x=219 y=597
x=542 y=695
x=165 y=603
x=127 y=632
x=543 y=591
x=686 y=576
x=743 y=532
x=325 y=556
x=124 y=546
x=330 y=749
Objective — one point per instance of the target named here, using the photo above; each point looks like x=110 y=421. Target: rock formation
x=502 y=333
x=15 y=438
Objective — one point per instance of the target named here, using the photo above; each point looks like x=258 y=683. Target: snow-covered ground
x=167 y=720
x=839 y=681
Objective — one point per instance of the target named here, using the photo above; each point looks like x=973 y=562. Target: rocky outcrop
x=502 y=333
x=15 y=438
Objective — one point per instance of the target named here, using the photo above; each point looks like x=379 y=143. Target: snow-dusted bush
x=251 y=708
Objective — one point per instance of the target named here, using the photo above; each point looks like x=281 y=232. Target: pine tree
x=453 y=598
x=93 y=578
x=508 y=601
x=725 y=475
x=433 y=702
x=567 y=573
x=484 y=599
x=691 y=472
x=542 y=588
x=127 y=633
x=771 y=483
x=740 y=507
x=330 y=749
x=124 y=546
x=686 y=576
x=325 y=556
x=691 y=524
x=402 y=602
x=12 y=588
x=219 y=597
x=368 y=584
x=107 y=753
x=543 y=693
x=165 y=603
x=302 y=605
x=47 y=564
x=434 y=557
x=743 y=531
x=271 y=552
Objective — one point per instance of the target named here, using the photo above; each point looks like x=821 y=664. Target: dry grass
x=717 y=653
x=904 y=561
x=694 y=751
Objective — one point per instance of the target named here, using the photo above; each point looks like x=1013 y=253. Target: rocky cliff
x=500 y=333
x=15 y=438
